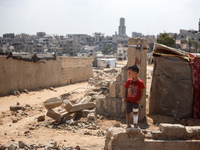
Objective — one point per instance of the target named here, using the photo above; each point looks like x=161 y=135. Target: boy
x=133 y=95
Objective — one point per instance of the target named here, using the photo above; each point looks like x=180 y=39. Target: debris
x=41 y=118
x=79 y=107
x=26 y=91
x=15 y=108
x=16 y=93
x=51 y=88
x=67 y=105
x=117 y=125
x=91 y=117
x=12 y=146
x=65 y=96
x=54 y=115
x=85 y=112
x=53 y=103
x=14 y=120
x=87 y=132
x=21 y=144
x=86 y=99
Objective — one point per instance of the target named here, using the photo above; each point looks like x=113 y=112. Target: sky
x=63 y=17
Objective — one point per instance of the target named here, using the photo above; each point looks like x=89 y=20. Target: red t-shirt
x=134 y=89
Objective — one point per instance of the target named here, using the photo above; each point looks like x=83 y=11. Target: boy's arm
x=141 y=95
x=125 y=95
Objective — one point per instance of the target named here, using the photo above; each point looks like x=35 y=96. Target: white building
x=122 y=51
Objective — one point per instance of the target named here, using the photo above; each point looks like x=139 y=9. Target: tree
x=165 y=39
x=196 y=46
x=108 y=48
x=190 y=42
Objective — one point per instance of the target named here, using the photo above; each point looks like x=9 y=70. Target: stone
x=54 y=115
x=41 y=118
x=173 y=131
x=87 y=132
x=14 y=120
x=79 y=107
x=15 y=108
x=12 y=146
x=26 y=91
x=85 y=112
x=135 y=133
x=21 y=144
x=117 y=125
x=51 y=88
x=53 y=103
x=67 y=105
x=91 y=117
x=193 y=132
x=16 y=93
x=86 y=99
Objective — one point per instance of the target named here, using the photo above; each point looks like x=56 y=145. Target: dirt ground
x=23 y=126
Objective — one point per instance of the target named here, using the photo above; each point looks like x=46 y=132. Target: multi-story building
x=122 y=27
x=122 y=51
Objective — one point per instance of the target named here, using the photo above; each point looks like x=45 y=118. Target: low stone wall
x=169 y=137
x=20 y=75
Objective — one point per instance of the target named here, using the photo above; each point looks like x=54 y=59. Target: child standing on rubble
x=133 y=95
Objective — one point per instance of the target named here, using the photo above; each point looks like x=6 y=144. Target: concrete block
x=54 y=115
x=193 y=132
x=79 y=107
x=53 y=103
x=173 y=131
x=67 y=105
x=15 y=108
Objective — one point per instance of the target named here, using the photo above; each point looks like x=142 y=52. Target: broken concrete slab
x=17 y=107
x=86 y=99
x=67 y=105
x=79 y=107
x=54 y=115
x=53 y=103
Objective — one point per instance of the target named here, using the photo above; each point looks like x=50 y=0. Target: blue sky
x=88 y=16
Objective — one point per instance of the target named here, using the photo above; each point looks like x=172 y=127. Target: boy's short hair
x=133 y=68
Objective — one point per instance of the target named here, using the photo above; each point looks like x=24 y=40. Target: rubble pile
x=50 y=146
x=103 y=78
x=18 y=112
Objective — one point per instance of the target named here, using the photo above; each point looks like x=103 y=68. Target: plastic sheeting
x=172 y=89
x=195 y=65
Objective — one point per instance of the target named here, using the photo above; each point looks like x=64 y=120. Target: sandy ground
x=29 y=130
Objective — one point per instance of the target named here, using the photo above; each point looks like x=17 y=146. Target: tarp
x=172 y=89
x=195 y=65
x=32 y=57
